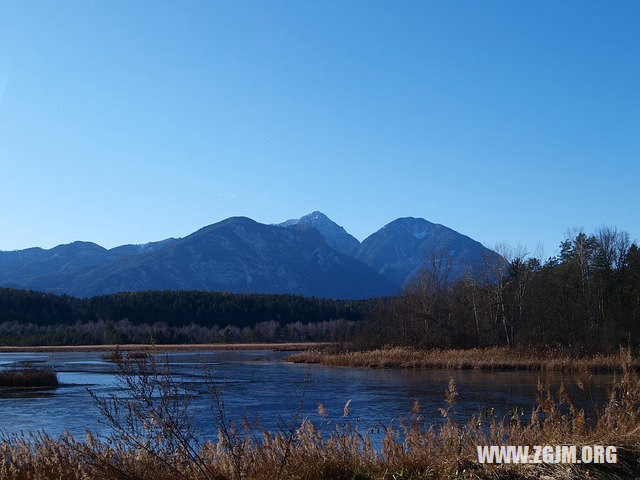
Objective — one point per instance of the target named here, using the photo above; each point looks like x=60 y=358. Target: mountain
x=336 y=236
x=20 y=266
x=131 y=249
x=310 y=256
x=237 y=255
x=402 y=248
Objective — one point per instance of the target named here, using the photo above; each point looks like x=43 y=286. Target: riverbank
x=278 y=347
x=410 y=448
x=471 y=359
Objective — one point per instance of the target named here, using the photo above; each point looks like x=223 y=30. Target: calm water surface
x=261 y=383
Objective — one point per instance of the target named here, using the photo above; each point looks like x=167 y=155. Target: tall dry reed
x=494 y=358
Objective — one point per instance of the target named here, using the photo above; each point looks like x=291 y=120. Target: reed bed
x=494 y=358
x=154 y=443
x=42 y=377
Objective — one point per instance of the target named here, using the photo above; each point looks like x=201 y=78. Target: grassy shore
x=284 y=347
x=471 y=359
x=41 y=377
x=153 y=443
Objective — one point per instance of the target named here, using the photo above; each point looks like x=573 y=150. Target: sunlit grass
x=494 y=358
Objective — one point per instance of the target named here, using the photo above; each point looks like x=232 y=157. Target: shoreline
x=488 y=359
x=201 y=347
x=315 y=353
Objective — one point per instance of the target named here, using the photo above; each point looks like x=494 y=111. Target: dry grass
x=42 y=377
x=116 y=356
x=411 y=449
x=472 y=359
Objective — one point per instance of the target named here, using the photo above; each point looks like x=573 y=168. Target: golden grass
x=409 y=449
x=494 y=358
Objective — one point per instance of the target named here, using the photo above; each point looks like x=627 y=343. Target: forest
x=585 y=299
x=36 y=318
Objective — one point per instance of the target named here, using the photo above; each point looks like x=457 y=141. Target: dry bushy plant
x=43 y=377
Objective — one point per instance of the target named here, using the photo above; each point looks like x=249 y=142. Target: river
x=260 y=383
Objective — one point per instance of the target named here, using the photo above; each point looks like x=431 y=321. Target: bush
x=28 y=377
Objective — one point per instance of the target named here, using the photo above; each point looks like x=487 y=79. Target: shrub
x=28 y=377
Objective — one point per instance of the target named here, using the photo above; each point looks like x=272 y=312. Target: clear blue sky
x=126 y=122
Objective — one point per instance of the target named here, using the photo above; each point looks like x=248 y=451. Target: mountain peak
x=315 y=215
x=336 y=236
x=416 y=227
x=237 y=220
x=78 y=246
x=403 y=247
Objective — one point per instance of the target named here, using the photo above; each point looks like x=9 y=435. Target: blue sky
x=126 y=122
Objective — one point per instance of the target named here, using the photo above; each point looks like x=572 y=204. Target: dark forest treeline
x=175 y=307
x=586 y=299
x=35 y=318
x=222 y=308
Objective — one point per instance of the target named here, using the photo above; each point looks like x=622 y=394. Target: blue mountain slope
x=308 y=256
x=402 y=248
x=236 y=255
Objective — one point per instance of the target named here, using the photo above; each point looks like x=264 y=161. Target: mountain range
x=311 y=256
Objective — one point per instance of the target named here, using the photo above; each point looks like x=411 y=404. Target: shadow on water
x=27 y=392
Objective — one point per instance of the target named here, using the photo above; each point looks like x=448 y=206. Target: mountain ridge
x=237 y=255
x=311 y=256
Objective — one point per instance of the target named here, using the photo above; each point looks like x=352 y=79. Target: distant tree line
x=587 y=298
x=35 y=318
x=221 y=308
x=100 y=332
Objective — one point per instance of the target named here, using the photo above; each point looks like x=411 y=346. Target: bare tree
x=496 y=267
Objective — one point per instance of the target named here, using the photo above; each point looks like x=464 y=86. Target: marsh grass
x=154 y=439
x=42 y=377
x=496 y=358
x=117 y=355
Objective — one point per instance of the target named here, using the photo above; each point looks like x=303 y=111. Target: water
x=261 y=383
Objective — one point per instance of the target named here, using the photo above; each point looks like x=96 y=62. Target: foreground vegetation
x=42 y=377
x=154 y=438
x=494 y=358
